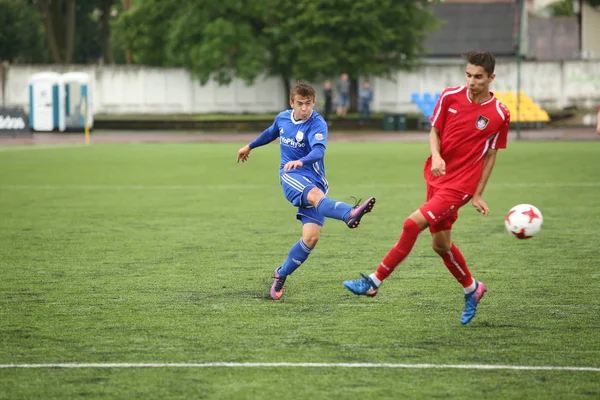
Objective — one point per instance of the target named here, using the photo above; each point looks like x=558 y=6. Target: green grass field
x=163 y=253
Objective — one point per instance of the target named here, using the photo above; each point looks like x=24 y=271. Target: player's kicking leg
x=329 y=208
x=300 y=190
x=359 y=211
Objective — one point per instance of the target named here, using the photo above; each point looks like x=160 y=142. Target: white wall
x=145 y=90
x=590 y=31
x=553 y=85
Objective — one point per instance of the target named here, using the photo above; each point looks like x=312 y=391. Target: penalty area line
x=301 y=365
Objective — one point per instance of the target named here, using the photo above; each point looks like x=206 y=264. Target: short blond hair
x=303 y=89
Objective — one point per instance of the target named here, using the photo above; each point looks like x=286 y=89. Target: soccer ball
x=524 y=221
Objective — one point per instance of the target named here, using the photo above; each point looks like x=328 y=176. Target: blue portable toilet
x=78 y=104
x=46 y=108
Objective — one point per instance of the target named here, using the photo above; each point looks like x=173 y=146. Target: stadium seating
x=425 y=102
x=529 y=111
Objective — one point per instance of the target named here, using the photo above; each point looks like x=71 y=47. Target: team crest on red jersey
x=482 y=122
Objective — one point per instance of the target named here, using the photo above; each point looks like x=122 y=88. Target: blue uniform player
x=302 y=135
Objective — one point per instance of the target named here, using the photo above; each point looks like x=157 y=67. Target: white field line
x=302 y=365
x=251 y=186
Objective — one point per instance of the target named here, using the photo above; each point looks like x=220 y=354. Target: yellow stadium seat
x=528 y=111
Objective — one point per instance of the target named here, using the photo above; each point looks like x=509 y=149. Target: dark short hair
x=303 y=89
x=481 y=58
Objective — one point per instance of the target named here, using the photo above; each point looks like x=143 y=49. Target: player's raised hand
x=243 y=154
x=438 y=166
x=480 y=205
x=292 y=165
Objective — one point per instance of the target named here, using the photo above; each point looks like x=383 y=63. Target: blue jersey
x=296 y=140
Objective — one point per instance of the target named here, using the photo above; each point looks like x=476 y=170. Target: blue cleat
x=471 y=301
x=363 y=286
x=359 y=211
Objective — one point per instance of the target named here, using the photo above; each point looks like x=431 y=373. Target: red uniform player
x=469 y=125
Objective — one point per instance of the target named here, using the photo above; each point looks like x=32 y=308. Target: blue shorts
x=343 y=100
x=310 y=215
x=295 y=187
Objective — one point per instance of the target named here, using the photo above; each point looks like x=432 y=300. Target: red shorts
x=441 y=208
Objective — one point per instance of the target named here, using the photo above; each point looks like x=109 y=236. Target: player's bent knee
x=311 y=234
x=441 y=248
x=310 y=240
x=442 y=243
x=314 y=195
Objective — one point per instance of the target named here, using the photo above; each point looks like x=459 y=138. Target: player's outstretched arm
x=243 y=154
x=266 y=137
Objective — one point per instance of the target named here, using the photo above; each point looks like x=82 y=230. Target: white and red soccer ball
x=524 y=221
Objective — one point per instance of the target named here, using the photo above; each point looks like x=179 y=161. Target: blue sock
x=297 y=255
x=334 y=209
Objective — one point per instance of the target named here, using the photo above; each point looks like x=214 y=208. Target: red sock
x=397 y=254
x=456 y=264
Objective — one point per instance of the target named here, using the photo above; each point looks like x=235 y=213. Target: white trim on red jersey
x=493 y=139
x=500 y=110
x=448 y=91
x=485 y=102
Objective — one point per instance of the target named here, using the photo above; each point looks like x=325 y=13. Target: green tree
x=21 y=33
x=304 y=39
x=88 y=38
x=77 y=31
x=144 y=28
x=106 y=12
x=59 y=22
x=562 y=8
x=28 y=28
x=92 y=42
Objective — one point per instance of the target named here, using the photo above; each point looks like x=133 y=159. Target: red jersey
x=467 y=132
